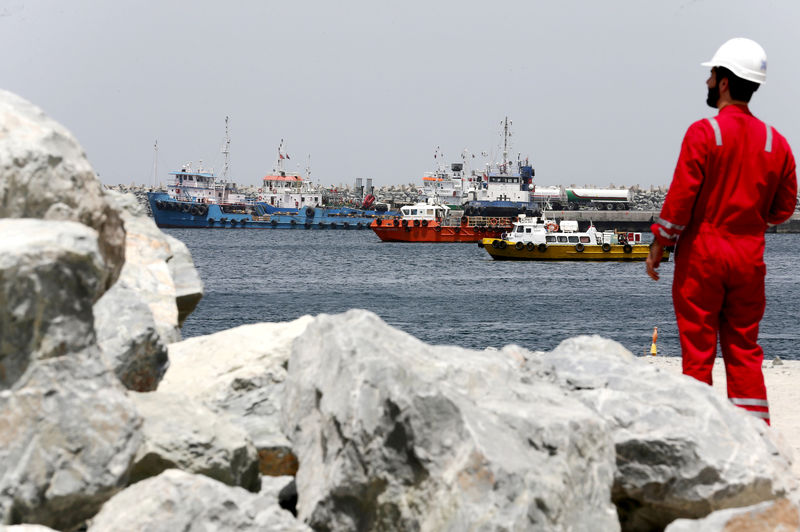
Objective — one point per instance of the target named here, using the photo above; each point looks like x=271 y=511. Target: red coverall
x=735 y=176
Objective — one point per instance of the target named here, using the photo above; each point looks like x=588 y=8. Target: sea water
x=455 y=293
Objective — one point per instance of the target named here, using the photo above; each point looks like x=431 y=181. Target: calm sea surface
x=454 y=293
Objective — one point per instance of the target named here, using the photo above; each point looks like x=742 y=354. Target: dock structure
x=641 y=220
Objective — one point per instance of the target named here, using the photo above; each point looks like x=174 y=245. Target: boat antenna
x=308 y=169
x=226 y=150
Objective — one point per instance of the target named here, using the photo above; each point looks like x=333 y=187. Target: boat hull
x=168 y=212
x=504 y=250
x=388 y=231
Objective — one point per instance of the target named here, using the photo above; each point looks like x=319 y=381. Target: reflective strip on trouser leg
x=753 y=406
x=738 y=331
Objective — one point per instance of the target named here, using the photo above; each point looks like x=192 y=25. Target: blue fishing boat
x=198 y=199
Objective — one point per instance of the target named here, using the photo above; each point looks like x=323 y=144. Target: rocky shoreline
x=110 y=421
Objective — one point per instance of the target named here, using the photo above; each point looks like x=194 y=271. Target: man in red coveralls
x=735 y=177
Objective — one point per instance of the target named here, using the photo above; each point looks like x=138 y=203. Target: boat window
x=585 y=239
x=573 y=239
x=549 y=238
x=528 y=229
x=520 y=229
x=562 y=239
x=413 y=211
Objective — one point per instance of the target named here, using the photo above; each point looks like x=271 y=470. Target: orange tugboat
x=424 y=222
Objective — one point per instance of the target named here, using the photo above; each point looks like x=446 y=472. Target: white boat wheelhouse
x=424 y=211
x=539 y=230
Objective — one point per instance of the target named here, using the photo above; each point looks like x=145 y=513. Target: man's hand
x=654 y=259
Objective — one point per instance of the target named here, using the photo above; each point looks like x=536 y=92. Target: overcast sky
x=599 y=92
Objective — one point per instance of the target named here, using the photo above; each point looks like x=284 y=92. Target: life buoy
x=519 y=246
x=606 y=247
x=542 y=247
x=260 y=197
x=260 y=190
x=551 y=227
x=493 y=221
x=579 y=247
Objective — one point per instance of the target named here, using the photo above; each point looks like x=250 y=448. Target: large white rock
x=188 y=285
x=179 y=433
x=141 y=313
x=44 y=174
x=780 y=515
x=240 y=372
x=50 y=274
x=68 y=435
x=394 y=434
x=176 y=500
x=682 y=449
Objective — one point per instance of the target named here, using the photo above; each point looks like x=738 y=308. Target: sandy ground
x=783 y=393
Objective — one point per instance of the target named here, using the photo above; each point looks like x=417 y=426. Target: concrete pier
x=640 y=220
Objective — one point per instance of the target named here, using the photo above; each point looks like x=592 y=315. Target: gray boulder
x=68 y=436
x=682 y=449
x=44 y=174
x=176 y=500
x=240 y=372
x=394 y=434
x=50 y=274
x=128 y=337
x=179 y=433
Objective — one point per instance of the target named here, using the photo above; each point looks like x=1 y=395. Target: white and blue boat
x=198 y=199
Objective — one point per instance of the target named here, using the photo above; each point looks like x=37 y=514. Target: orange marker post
x=653 y=349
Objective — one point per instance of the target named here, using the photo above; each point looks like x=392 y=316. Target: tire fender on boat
x=579 y=247
x=606 y=247
x=519 y=246
x=542 y=247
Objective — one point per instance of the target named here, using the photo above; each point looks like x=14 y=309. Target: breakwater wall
x=641 y=220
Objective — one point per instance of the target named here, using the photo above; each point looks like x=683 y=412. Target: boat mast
x=226 y=150
x=506 y=134
x=155 y=163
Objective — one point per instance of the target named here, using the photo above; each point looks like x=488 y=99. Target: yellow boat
x=540 y=239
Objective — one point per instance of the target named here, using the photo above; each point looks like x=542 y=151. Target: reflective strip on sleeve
x=768 y=147
x=666 y=235
x=670 y=225
x=762 y=415
x=717 y=131
x=749 y=402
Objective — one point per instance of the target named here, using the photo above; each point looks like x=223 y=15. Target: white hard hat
x=744 y=57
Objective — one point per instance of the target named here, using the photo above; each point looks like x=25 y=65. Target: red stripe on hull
x=430 y=234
